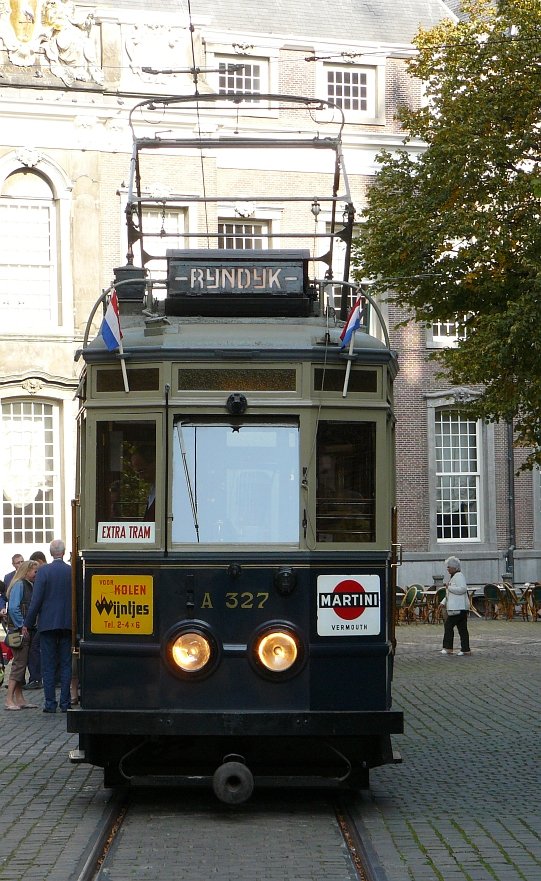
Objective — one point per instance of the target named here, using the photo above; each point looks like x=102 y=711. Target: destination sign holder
x=267 y=282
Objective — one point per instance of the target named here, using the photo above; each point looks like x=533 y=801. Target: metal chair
x=493 y=601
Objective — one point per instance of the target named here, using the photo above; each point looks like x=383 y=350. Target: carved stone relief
x=54 y=30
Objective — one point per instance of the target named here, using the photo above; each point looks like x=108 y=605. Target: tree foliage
x=455 y=231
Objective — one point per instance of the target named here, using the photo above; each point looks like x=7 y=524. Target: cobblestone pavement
x=464 y=805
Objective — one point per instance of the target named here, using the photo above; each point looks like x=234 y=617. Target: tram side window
x=236 y=484
x=125 y=471
x=346 y=482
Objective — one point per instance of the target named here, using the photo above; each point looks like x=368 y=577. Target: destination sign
x=236 y=277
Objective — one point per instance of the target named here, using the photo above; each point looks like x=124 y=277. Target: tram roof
x=196 y=338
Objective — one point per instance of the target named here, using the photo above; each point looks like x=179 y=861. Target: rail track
x=153 y=834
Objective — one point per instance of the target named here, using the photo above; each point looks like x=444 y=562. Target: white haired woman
x=457 y=604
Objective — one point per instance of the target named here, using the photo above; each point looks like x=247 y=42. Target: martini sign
x=348 y=605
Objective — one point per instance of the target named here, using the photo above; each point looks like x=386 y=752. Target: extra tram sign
x=228 y=274
x=348 y=605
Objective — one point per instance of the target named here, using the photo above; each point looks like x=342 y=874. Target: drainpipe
x=509 y=561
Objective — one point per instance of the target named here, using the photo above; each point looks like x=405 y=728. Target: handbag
x=14 y=639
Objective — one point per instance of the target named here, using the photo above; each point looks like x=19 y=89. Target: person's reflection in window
x=143 y=462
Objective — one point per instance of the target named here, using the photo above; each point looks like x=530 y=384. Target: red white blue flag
x=110 y=326
x=353 y=323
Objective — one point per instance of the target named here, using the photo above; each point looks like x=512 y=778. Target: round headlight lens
x=191 y=651
x=277 y=650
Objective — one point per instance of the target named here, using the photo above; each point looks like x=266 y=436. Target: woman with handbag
x=19 y=594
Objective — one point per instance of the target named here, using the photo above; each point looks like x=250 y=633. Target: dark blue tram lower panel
x=332 y=718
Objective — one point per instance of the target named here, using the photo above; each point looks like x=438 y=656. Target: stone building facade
x=70 y=74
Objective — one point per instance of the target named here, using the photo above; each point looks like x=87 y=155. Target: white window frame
x=443 y=334
x=267 y=56
x=245 y=222
x=462 y=480
x=487 y=533
x=61 y=303
x=246 y=213
x=374 y=68
x=233 y=70
x=188 y=210
x=24 y=459
x=30 y=271
x=152 y=222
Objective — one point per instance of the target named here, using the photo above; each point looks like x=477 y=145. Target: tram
x=234 y=519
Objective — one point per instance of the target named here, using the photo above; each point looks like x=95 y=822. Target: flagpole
x=348 y=367
x=123 y=365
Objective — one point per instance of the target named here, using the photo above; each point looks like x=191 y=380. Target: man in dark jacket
x=51 y=605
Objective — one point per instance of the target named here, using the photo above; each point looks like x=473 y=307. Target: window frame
x=221 y=424
x=459 y=478
x=29 y=161
x=268 y=55
x=375 y=68
x=55 y=475
x=89 y=523
x=487 y=539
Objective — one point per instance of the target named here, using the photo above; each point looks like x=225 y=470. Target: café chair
x=407 y=606
x=493 y=601
x=437 y=608
x=535 y=601
x=513 y=600
x=421 y=602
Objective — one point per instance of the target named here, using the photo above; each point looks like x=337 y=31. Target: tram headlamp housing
x=191 y=650
x=277 y=650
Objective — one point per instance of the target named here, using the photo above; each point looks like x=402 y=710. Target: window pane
x=238 y=484
x=241 y=75
x=252 y=236
x=346 y=482
x=348 y=88
x=457 y=476
x=28 y=283
x=28 y=472
x=125 y=471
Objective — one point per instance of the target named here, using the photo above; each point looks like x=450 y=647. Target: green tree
x=455 y=232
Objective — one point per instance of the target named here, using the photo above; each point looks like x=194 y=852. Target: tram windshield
x=236 y=484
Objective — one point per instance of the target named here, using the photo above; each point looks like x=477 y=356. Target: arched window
x=29 y=288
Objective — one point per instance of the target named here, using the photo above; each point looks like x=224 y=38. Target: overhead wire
x=198 y=116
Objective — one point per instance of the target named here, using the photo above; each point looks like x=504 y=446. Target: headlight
x=277 y=649
x=191 y=652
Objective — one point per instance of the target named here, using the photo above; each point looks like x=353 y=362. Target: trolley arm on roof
x=235 y=98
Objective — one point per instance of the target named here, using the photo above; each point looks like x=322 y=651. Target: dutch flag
x=110 y=326
x=353 y=323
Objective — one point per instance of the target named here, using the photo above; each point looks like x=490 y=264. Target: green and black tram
x=234 y=539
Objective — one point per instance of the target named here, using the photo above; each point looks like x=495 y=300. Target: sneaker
x=447 y=651
x=464 y=653
x=33 y=684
